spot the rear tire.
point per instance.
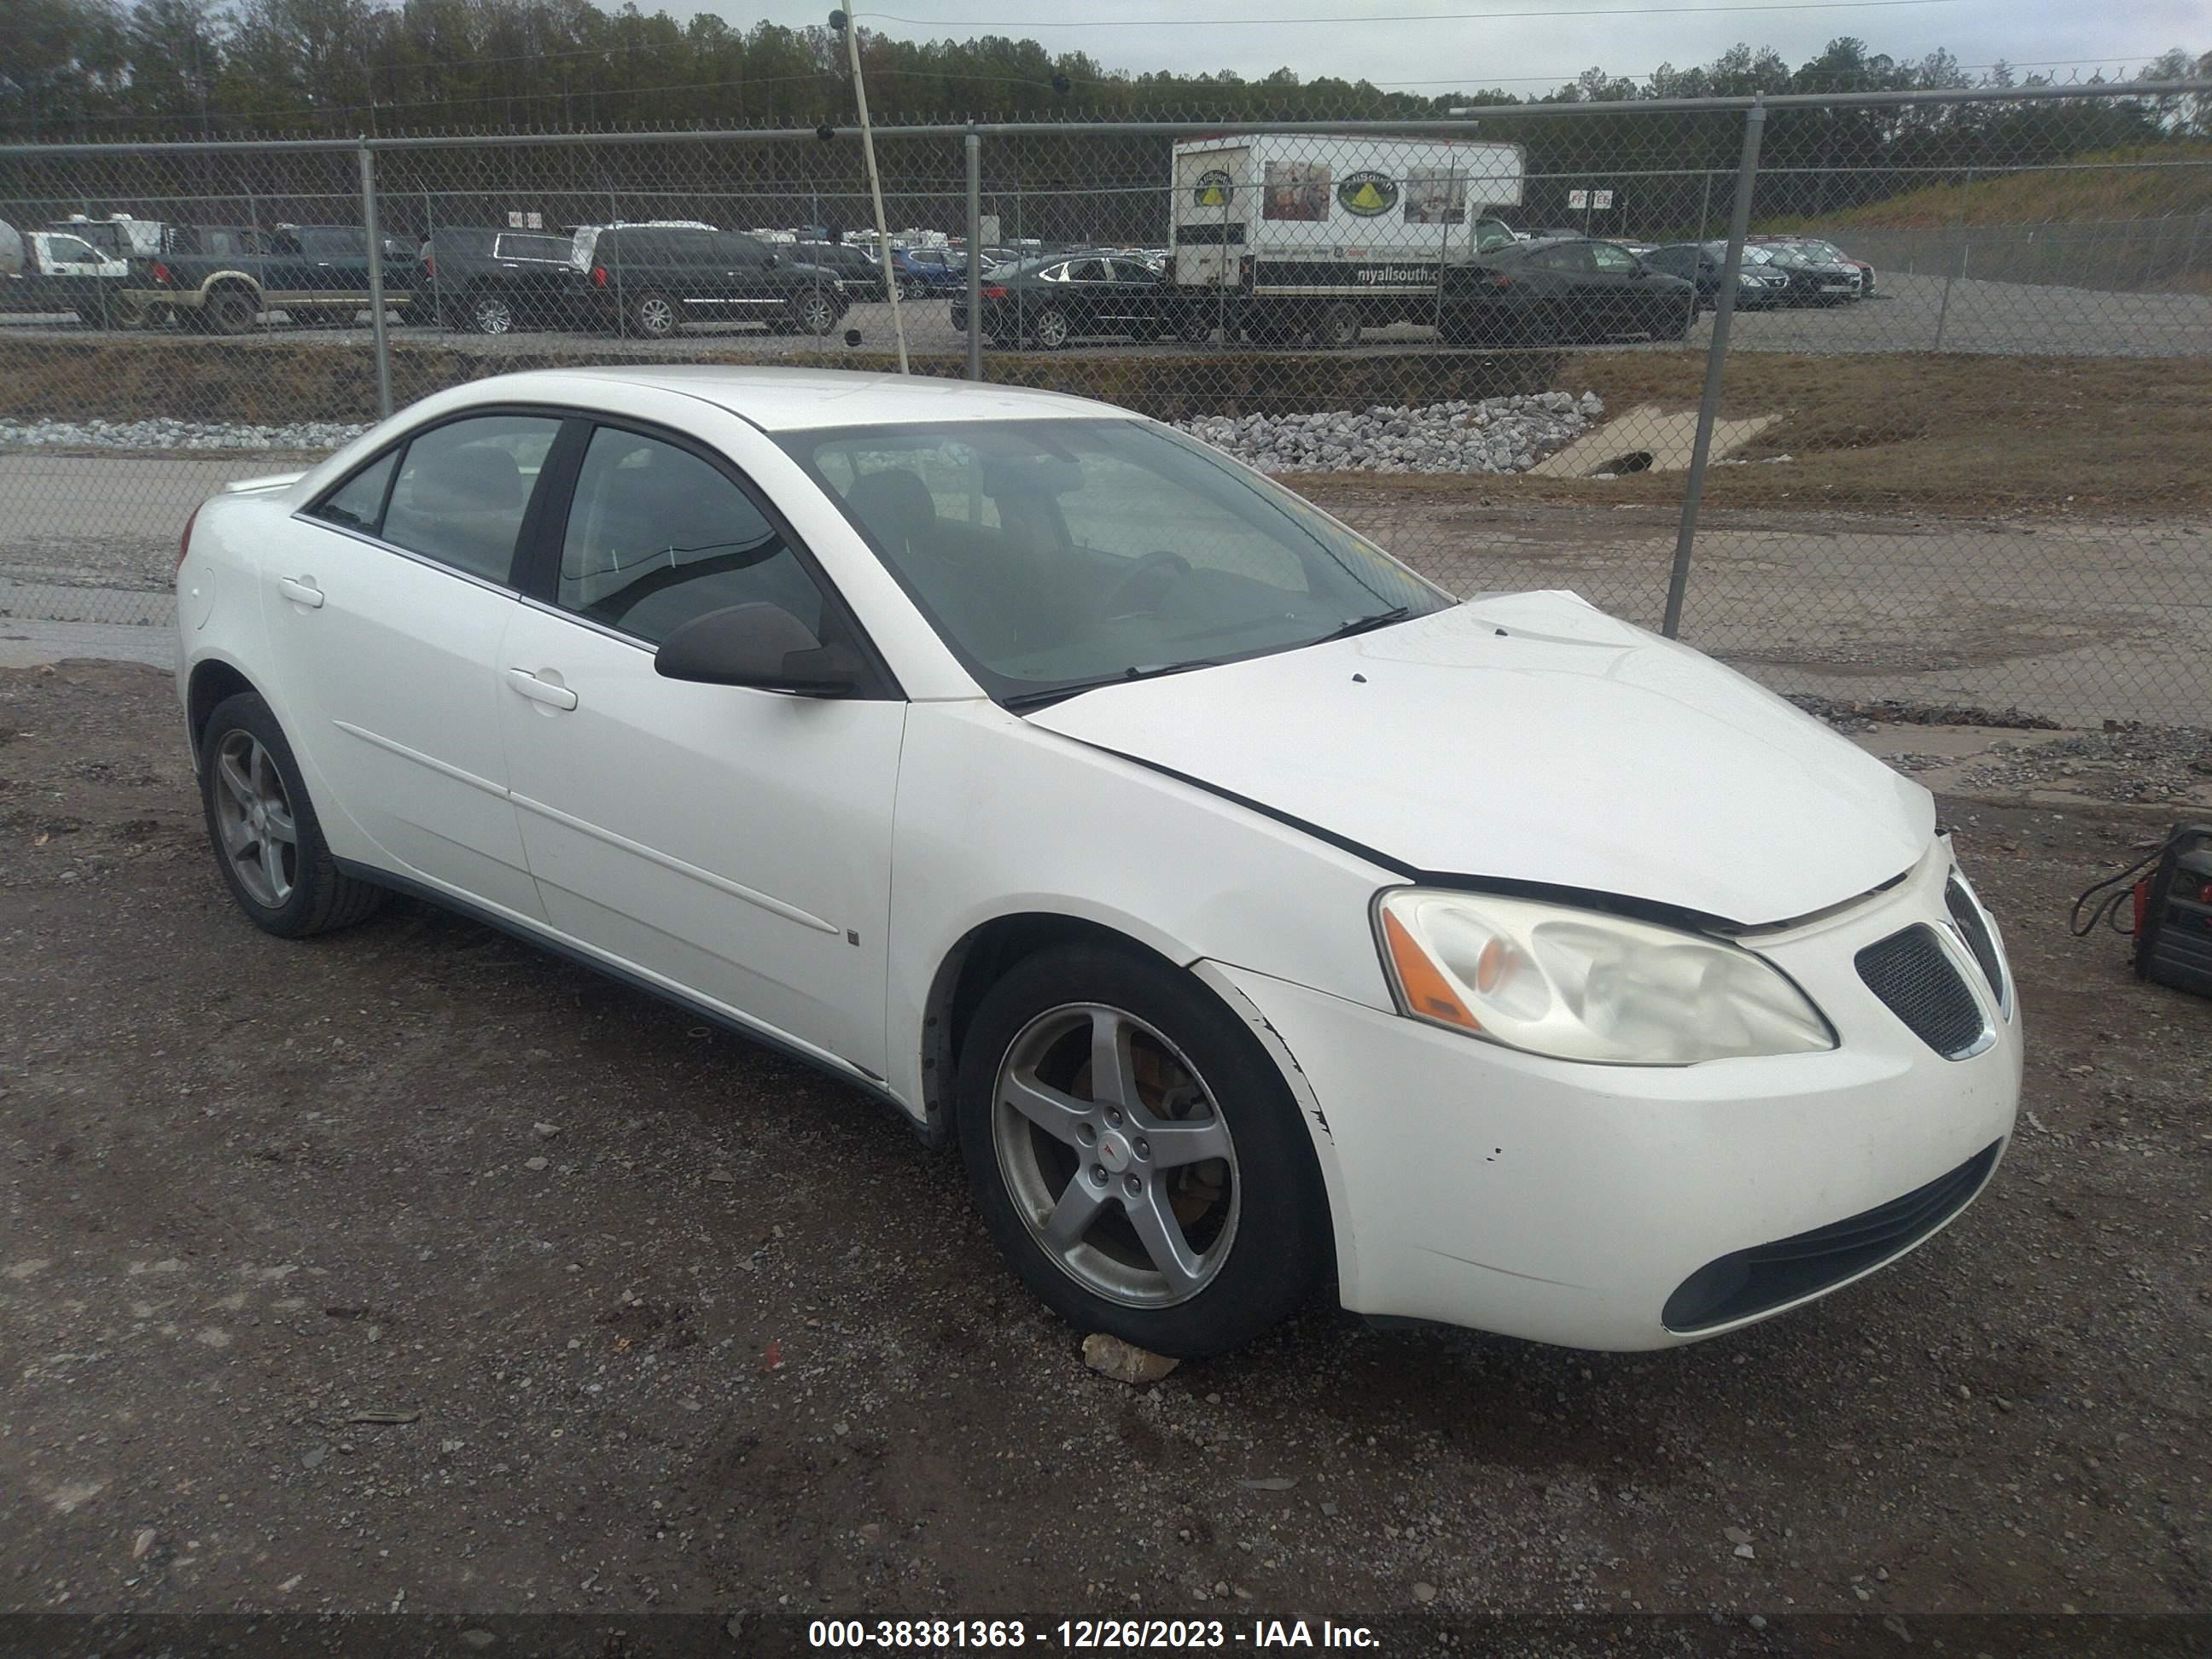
(1337, 328)
(813, 314)
(253, 794)
(651, 316)
(1050, 328)
(230, 310)
(490, 313)
(1242, 1220)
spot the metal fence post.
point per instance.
(1755, 124)
(376, 330)
(975, 148)
(1955, 268)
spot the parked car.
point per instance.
(923, 271)
(1823, 249)
(310, 273)
(1050, 302)
(490, 281)
(56, 272)
(1757, 286)
(1562, 289)
(652, 279)
(1086, 798)
(1816, 277)
(859, 271)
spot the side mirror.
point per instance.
(760, 645)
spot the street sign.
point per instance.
(1604, 199)
(1577, 199)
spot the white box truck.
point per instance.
(1288, 235)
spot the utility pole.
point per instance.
(840, 21)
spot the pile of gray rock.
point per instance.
(308, 436)
(1496, 435)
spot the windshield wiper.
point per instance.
(1366, 624)
(1038, 699)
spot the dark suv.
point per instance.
(491, 281)
(855, 267)
(650, 280)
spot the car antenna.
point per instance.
(845, 26)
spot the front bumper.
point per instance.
(1478, 1185)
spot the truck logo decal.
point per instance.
(1215, 189)
(1366, 195)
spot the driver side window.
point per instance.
(656, 536)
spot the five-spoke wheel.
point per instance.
(1115, 1155)
(1136, 1152)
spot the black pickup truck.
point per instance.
(222, 279)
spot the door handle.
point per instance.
(537, 691)
(300, 592)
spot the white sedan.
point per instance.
(1253, 914)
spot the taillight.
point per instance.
(161, 273)
(994, 292)
(599, 276)
(184, 547)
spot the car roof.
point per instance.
(797, 400)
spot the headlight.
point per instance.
(1583, 985)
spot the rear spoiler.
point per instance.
(270, 481)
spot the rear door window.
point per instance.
(358, 503)
(463, 488)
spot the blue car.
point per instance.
(925, 271)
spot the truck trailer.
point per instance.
(1288, 235)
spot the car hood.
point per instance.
(1531, 738)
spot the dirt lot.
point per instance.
(673, 1323)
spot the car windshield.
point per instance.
(1054, 556)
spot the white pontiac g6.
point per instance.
(1252, 914)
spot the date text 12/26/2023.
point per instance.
(1084, 1635)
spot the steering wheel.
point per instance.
(1145, 585)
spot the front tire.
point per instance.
(1137, 1155)
(268, 843)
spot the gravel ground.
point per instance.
(166, 436)
(2127, 761)
(413, 1268)
(1495, 434)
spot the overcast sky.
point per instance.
(1527, 54)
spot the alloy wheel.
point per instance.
(253, 814)
(1052, 328)
(492, 315)
(1115, 1155)
(656, 316)
(815, 315)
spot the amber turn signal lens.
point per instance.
(1427, 993)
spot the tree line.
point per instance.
(149, 69)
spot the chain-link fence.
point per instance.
(1893, 397)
